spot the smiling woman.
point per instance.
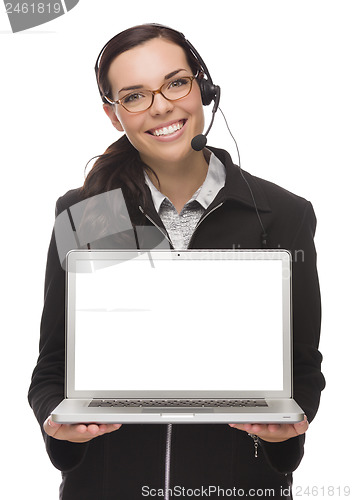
(153, 86)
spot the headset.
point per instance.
(209, 93)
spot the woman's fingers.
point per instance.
(274, 433)
(77, 433)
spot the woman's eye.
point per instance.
(132, 98)
(178, 83)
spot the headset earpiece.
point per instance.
(208, 91)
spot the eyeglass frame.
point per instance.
(154, 92)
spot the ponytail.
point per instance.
(119, 167)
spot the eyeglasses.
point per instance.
(143, 99)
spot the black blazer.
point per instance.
(119, 464)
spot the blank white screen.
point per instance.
(180, 325)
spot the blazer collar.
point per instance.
(236, 188)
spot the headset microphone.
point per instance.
(199, 141)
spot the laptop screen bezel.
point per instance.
(99, 256)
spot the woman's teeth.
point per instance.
(168, 130)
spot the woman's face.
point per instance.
(149, 66)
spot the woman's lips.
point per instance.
(168, 130)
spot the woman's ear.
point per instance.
(109, 110)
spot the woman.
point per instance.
(197, 199)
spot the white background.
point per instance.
(285, 72)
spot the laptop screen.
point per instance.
(188, 324)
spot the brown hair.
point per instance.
(120, 165)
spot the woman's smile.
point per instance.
(169, 131)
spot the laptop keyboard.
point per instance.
(177, 403)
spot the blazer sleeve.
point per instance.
(47, 384)
(308, 381)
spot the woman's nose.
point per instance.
(161, 105)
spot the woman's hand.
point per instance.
(274, 433)
(77, 433)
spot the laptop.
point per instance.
(166, 336)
